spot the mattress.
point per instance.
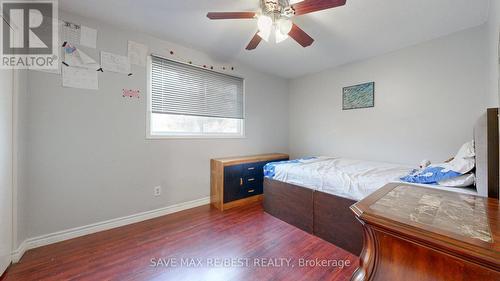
(348, 178)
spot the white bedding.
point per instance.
(353, 179)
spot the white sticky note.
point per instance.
(115, 63)
(137, 53)
(88, 37)
(81, 78)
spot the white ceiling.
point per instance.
(358, 30)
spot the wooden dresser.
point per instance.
(418, 233)
(237, 181)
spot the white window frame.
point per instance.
(151, 136)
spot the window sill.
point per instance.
(194, 137)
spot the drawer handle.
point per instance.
(251, 168)
(241, 181)
(251, 191)
(252, 179)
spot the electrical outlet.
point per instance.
(157, 191)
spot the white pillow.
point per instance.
(466, 151)
(463, 162)
(460, 181)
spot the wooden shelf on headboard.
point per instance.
(486, 143)
(493, 152)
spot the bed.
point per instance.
(315, 194)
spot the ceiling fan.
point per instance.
(276, 15)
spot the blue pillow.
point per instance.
(430, 175)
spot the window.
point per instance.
(188, 101)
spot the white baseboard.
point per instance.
(59, 236)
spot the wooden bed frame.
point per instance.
(329, 217)
(324, 215)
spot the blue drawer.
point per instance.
(242, 181)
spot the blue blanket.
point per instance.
(430, 175)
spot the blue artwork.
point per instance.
(358, 96)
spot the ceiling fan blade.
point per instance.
(231, 15)
(254, 42)
(300, 36)
(311, 6)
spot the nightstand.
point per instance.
(237, 181)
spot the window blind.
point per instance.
(177, 88)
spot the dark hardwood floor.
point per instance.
(246, 233)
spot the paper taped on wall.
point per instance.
(81, 78)
(77, 34)
(88, 37)
(80, 59)
(69, 32)
(115, 63)
(137, 53)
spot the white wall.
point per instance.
(85, 153)
(6, 90)
(20, 157)
(493, 25)
(426, 102)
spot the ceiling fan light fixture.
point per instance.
(265, 26)
(280, 37)
(265, 23)
(284, 25)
